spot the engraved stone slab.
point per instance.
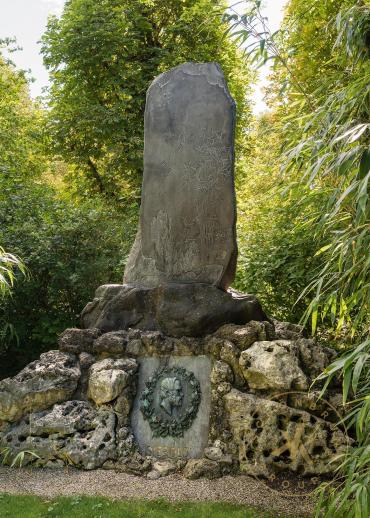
(170, 417)
(188, 212)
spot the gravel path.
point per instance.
(49, 483)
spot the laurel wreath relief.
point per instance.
(163, 426)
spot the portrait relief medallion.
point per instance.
(170, 401)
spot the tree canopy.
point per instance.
(102, 57)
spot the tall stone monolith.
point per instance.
(188, 213)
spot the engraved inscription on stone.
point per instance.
(188, 211)
(170, 401)
(170, 417)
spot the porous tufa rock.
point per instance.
(314, 357)
(164, 467)
(221, 372)
(76, 341)
(245, 335)
(111, 344)
(197, 468)
(51, 379)
(73, 432)
(288, 331)
(230, 354)
(272, 437)
(108, 378)
(273, 366)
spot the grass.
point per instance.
(19, 506)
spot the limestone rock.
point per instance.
(213, 453)
(129, 459)
(314, 358)
(197, 468)
(63, 419)
(221, 372)
(188, 209)
(51, 379)
(169, 308)
(244, 336)
(288, 331)
(73, 432)
(123, 404)
(113, 343)
(108, 378)
(272, 437)
(76, 341)
(85, 361)
(230, 354)
(164, 467)
(330, 407)
(273, 366)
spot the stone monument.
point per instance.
(188, 211)
(172, 370)
(184, 256)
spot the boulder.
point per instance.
(216, 454)
(169, 308)
(76, 341)
(271, 437)
(113, 343)
(197, 468)
(244, 336)
(51, 379)
(314, 357)
(73, 432)
(273, 366)
(108, 378)
(288, 331)
(164, 467)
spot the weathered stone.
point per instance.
(272, 437)
(77, 340)
(186, 346)
(73, 432)
(134, 347)
(64, 419)
(221, 372)
(129, 459)
(123, 404)
(273, 366)
(288, 331)
(108, 378)
(111, 343)
(244, 336)
(330, 407)
(188, 209)
(197, 468)
(164, 467)
(51, 379)
(230, 354)
(85, 361)
(169, 308)
(213, 453)
(314, 358)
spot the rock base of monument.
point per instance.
(235, 400)
(175, 309)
